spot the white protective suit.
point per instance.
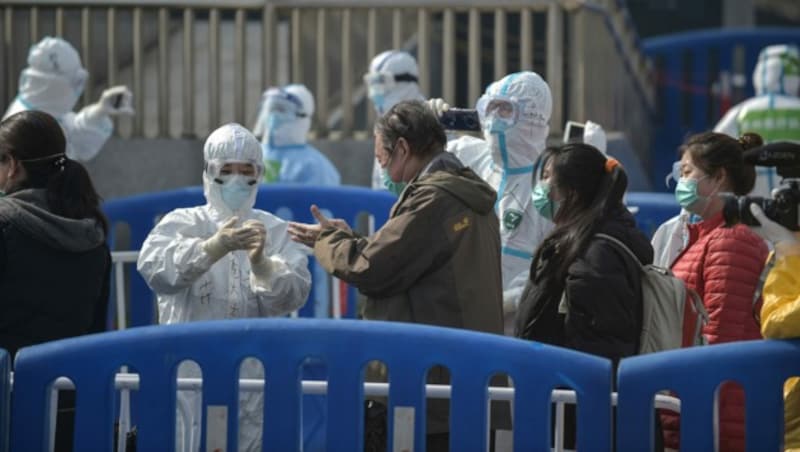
(392, 78)
(774, 113)
(283, 123)
(53, 82)
(505, 160)
(191, 286)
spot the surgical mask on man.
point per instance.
(542, 202)
(392, 186)
(236, 190)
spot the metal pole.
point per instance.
(138, 82)
(474, 59)
(500, 45)
(213, 79)
(347, 75)
(449, 56)
(188, 73)
(111, 45)
(240, 68)
(526, 40)
(423, 49)
(297, 45)
(322, 74)
(555, 63)
(86, 51)
(268, 25)
(397, 28)
(60, 21)
(163, 73)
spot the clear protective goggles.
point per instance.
(385, 80)
(284, 103)
(498, 108)
(221, 173)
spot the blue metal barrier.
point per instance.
(142, 212)
(760, 367)
(652, 209)
(283, 346)
(687, 66)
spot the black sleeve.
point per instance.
(2, 253)
(101, 305)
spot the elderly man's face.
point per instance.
(382, 155)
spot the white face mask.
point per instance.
(235, 190)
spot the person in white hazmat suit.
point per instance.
(514, 114)
(53, 82)
(774, 112)
(283, 123)
(222, 260)
(393, 77)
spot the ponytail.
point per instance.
(70, 193)
(36, 141)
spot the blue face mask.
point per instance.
(276, 120)
(542, 202)
(235, 192)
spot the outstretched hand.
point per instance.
(307, 233)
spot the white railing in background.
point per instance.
(165, 49)
(130, 382)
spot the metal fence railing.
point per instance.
(126, 382)
(194, 64)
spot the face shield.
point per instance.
(498, 113)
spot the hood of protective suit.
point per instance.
(521, 144)
(231, 143)
(778, 71)
(27, 210)
(54, 78)
(288, 128)
(396, 62)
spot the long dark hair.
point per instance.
(35, 140)
(713, 151)
(591, 190)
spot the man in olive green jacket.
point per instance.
(436, 261)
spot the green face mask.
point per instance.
(392, 186)
(542, 202)
(686, 193)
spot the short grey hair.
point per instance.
(414, 121)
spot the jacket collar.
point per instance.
(702, 228)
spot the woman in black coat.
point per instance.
(584, 292)
(54, 263)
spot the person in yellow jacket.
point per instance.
(780, 313)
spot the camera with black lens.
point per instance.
(782, 208)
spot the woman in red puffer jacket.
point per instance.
(722, 264)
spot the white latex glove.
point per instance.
(438, 106)
(115, 101)
(229, 238)
(783, 239)
(259, 264)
